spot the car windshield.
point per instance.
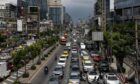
(88, 64)
(112, 78)
(61, 61)
(53, 79)
(92, 73)
(58, 69)
(74, 77)
(104, 64)
(75, 69)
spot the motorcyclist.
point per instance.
(46, 70)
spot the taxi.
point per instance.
(65, 54)
(87, 65)
(84, 58)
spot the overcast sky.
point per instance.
(76, 8)
(79, 8)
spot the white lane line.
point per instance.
(14, 77)
(10, 80)
(4, 83)
(20, 72)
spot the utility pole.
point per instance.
(103, 16)
(137, 55)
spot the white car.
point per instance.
(91, 76)
(88, 66)
(74, 51)
(63, 58)
(62, 63)
(74, 78)
(111, 79)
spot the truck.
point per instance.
(82, 46)
(68, 45)
(62, 40)
(4, 72)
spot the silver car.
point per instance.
(58, 71)
(54, 80)
(74, 78)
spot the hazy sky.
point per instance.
(79, 8)
(76, 8)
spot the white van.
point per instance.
(82, 46)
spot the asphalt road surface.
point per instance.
(41, 78)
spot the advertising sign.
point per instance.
(19, 26)
(97, 36)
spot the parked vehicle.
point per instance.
(4, 72)
(111, 79)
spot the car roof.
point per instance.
(58, 66)
(87, 61)
(74, 73)
(85, 57)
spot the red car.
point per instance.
(97, 58)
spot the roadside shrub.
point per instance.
(25, 75)
(33, 67)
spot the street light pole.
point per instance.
(136, 39)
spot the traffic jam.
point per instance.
(77, 65)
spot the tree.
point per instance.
(120, 40)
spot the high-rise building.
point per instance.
(127, 10)
(43, 7)
(56, 11)
(102, 7)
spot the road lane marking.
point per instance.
(10, 80)
(14, 77)
(40, 68)
(4, 83)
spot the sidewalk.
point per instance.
(13, 76)
(122, 76)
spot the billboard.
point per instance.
(19, 26)
(33, 9)
(97, 36)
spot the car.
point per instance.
(75, 68)
(74, 78)
(62, 63)
(84, 53)
(88, 66)
(91, 76)
(85, 58)
(74, 51)
(94, 53)
(62, 58)
(103, 66)
(74, 62)
(54, 80)
(111, 78)
(97, 58)
(65, 54)
(58, 71)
